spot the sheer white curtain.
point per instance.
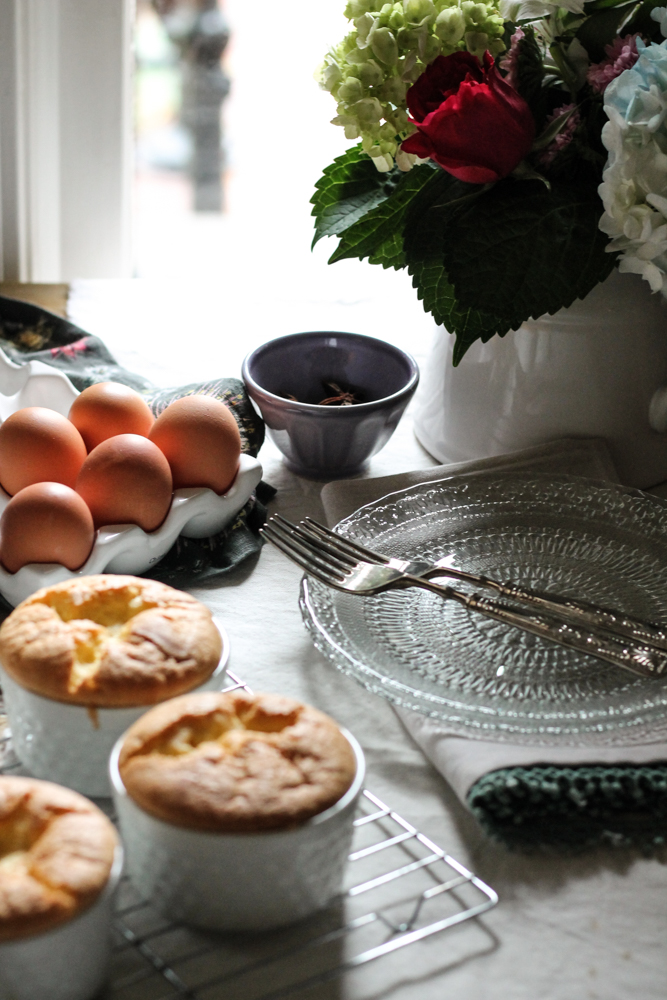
(65, 139)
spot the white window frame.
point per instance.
(66, 139)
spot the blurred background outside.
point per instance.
(232, 130)
(218, 280)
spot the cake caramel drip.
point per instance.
(110, 641)
(56, 853)
(236, 762)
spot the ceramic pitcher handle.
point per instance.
(657, 410)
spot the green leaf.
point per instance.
(438, 297)
(482, 258)
(426, 234)
(529, 68)
(520, 250)
(349, 188)
(390, 253)
(601, 27)
(552, 130)
(525, 172)
(366, 236)
(642, 22)
(595, 5)
(509, 28)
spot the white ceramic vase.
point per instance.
(596, 369)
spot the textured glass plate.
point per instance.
(597, 541)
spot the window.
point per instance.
(65, 138)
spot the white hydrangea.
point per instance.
(634, 182)
(659, 14)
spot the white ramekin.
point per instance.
(68, 963)
(70, 744)
(238, 881)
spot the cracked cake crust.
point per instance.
(56, 854)
(110, 641)
(236, 762)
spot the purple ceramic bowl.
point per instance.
(325, 442)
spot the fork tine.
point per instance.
(326, 543)
(352, 548)
(329, 563)
(302, 561)
(310, 539)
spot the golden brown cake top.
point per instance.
(56, 853)
(110, 641)
(236, 762)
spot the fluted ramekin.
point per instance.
(69, 962)
(70, 744)
(238, 881)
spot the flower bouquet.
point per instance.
(511, 153)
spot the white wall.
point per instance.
(65, 139)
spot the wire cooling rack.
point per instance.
(401, 889)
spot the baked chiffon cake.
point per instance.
(110, 641)
(236, 762)
(56, 854)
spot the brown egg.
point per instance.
(46, 523)
(38, 445)
(201, 441)
(109, 408)
(126, 480)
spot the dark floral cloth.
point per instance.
(29, 333)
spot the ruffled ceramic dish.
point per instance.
(123, 548)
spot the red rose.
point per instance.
(469, 119)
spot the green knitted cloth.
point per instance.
(570, 808)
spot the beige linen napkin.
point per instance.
(461, 760)
(588, 457)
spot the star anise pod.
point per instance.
(342, 398)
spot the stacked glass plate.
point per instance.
(599, 542)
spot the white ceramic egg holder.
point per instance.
(123, 548)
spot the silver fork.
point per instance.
(355, 576)
(566, 608)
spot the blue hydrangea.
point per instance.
(634, 182)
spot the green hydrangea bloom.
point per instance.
(390, 45)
